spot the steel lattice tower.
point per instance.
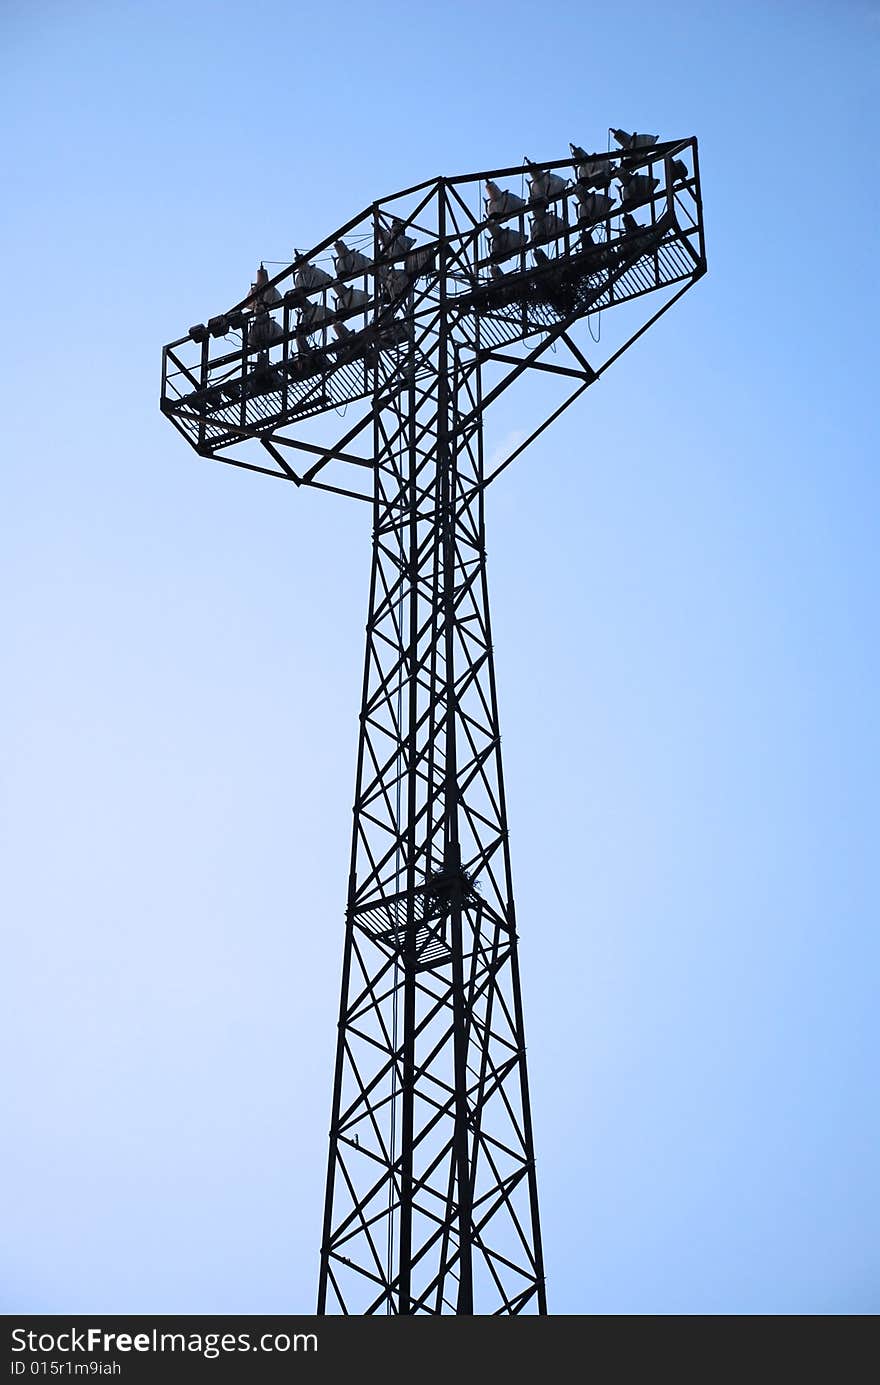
(439, 304)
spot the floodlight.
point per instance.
(505, 241)
(637, 187)
(264, 378)
(545, 187)
(314, 315)
(393, 240)
(264, 330)
(349, 345)
(309, 278)
(394, 282)
(263, 295)
(637, 237)
(349, 298)
(631, 142)
(502, 202)
(593, 206)
(349, 261)
(546, 225)
(595, 173)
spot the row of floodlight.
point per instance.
(592, 175)
(311, 279)
(547, 226)
(635, 239)
(593, 206)
(545, 188)
(268, 377)
(632, 151)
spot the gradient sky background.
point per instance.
(684, 574)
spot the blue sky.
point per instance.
(684, 577)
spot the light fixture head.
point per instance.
(264, 330)
(262, 295)
(637, 187)
(310, 278)
(393, 282)
(595, 173)
(264, 378)
(546, 187)
(634, 141)
(313, 315)
(546, 225)
(637, 238)
(349, 262)
(593, 206)
(500, 201)
(505, 241)
(393, 240)
(348, 298)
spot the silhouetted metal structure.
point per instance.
(417, 315)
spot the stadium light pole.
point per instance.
(418, 314)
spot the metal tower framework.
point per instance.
(441, 301)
